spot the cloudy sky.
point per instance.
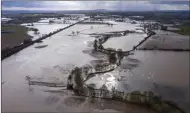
(91, 5)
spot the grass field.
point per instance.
(12, 35)
(184, 30)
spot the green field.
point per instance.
(12, 35)
(184, 30)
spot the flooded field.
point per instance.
(125, 43)
(167, 40)
(44, 65)
(43, 28)
(118, 26)
(165, 73)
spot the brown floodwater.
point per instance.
(166, 40)
(52, 64)
(165, 73)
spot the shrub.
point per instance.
(112, 58)
(27, 41)
(78, 77)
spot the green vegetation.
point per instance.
(112, 58)
(95, 45)
(13, 35)
(35, 30)
(184, 30)
(78, 77)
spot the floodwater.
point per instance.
(51, 64)
(118, 26)
(167, 40)
(166, 73)
(44, 28)
(125, 43)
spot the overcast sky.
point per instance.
(91, 5)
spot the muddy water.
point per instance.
(44, 28)
(51, 64)
(166, 40)
(125, 43)
(118, 26)
(164, 73)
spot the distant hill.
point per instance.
(79, 11)
(40, 11)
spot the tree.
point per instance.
(77, 32)
(73, 33)
(78, 77)
(51, 21)
(100, 47)
(104, 87)
(113, 90)
(163, 27)
(125, 32)
(35, 31)
(112, 58)
(27, 41)
(120, 55)
(95, 45)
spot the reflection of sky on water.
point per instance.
(99, 80)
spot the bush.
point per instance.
(78, 77)
(112, 58)
(149, 95)
(136, 96)
(27, 41)
(95, 45)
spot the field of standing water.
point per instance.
(144, 70)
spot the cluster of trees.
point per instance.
(51, 21)
(113, 55)
(73, 33)
(36, 31)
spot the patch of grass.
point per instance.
(13, 35)
(184, 30)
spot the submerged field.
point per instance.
(164, 73)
